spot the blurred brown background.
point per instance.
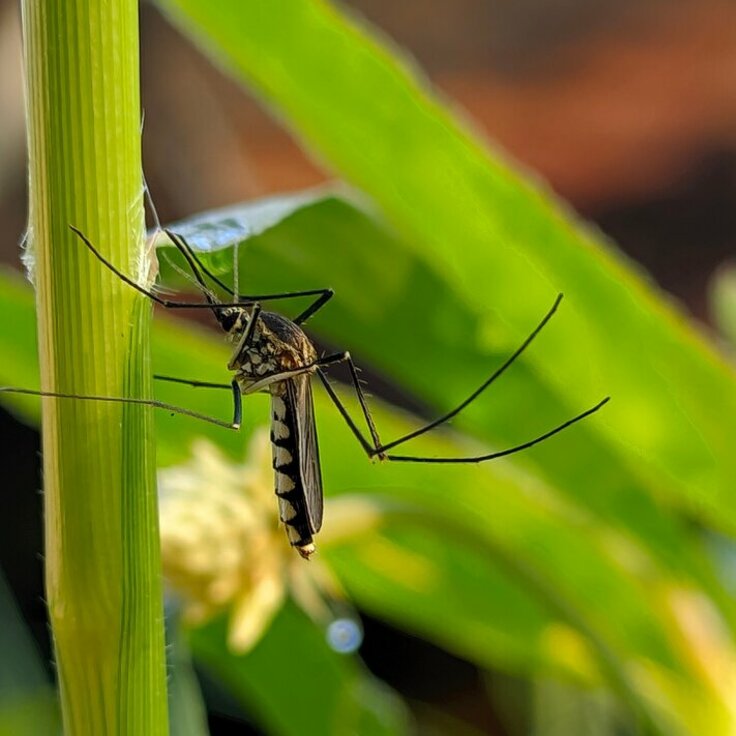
(626, 108)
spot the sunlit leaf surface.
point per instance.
(503, 249)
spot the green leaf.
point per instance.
(28, 703)
(295, 684)
(34, 715)
(503, 248)
(20, 355)
(228, 226)
(723, 301)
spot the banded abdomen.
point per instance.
(296, 461)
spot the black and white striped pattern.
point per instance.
(296, 462)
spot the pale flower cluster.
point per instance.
(223, 546)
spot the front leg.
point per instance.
(245, 340)
(375, 448)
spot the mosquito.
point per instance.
(272, 354)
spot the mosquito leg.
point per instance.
(192, 266)
(377, 448)
(496, 374)
(195, 263)
(327, 294)
(237, 404)
(502, 453)
(191, 382)
(269, 378)
(233, 386)
(244, 299)
(245, 339)
(167, 303)
(370, 449)
(182, 245)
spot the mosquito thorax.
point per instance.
(276, 346)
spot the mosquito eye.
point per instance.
(228, 320)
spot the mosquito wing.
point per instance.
(299, 396)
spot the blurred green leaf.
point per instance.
(187, 712)
(34, 714)
(723, 302)
(559, 711)
(295, 684)
(28, 703)
(21, 669)
(503, 248)
(19, 365)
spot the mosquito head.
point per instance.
(232, 320)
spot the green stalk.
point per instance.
(102, 554)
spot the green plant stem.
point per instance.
(102, 555)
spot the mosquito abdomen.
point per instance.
(289, 487)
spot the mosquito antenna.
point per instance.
(236, 269)
(324, 294)
(179, 242)
(183, 247)
(188, 277)
(205, 270)
(195, 282)
(169, 304)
